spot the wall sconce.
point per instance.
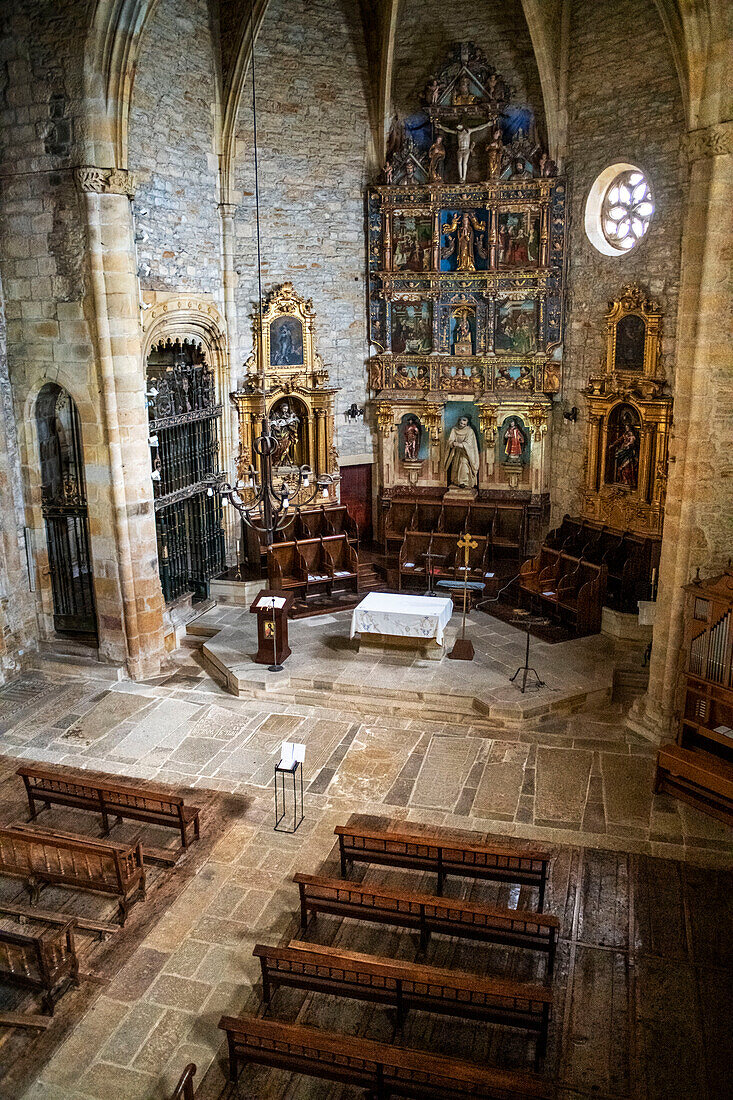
(572, 415)
(354, 412)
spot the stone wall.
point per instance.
(173, 154)
(624, 105)
(427, 28)
(312, 129)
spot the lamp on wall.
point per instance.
(354, 412)
(268, 507)
(570, 414)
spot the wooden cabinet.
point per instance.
(699, 768)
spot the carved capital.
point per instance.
(227, 209)
(432, 418)
(537, 416)
(712, 141)
(106, 181)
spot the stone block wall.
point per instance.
(624, 105)
(173, 153)
(312, 128)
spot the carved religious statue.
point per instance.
(285, 426)
(462, 95)
(463, 227)
(412, 440)
(494, 147)
(436, 157)
(465, 145)
(514, 441)
(461, 460)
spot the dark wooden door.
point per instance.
(356, 494)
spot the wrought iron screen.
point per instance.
(184, 432)
(64, 507)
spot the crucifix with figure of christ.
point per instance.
(463, 647)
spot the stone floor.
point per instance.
(324, 658)
(579, 779)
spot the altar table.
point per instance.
(402, 620)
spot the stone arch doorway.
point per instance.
(64, 509)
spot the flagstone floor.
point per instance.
(581, 779)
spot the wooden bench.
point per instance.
(405, 985)
(700, 778)
(569, 588)
(100, 866)
(381, 1069)
(426, 914)
(286, 570)
(318, 573)
(445, 856)
(399, 517)
(109, 799)
(343, 562)
(184, 1088)
(46, 963)
(412, 561)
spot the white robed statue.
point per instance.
(461, 459)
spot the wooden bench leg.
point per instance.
(541, 1047)
(303, 907)
(266, 990)
(342, 855)
(233, 1061)
(543, 884)
(553, 951)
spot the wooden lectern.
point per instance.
(272, 626)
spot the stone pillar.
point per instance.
(126, 582)
(227, 210)
(697, 521)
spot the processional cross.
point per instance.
(463, 648)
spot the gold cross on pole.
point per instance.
(467, 544)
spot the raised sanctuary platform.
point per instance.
(325, 662)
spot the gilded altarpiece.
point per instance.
(629, 420)
(298, 400)
(466, 267)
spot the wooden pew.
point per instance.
(319, 576)
(339, 521)
(509, 528)
(412, 562)
(429, 515)
(445, 856)
(703, 780)
(399, 517)
(481, 519)
(46, 963)
(184, 1088)
(361, 1063)
(453, 519)
(580, 595)
(100, 866)
(49, 785)
(343, 562)
(286, 569)
(444, 546)
(426, 914)
(405, 985)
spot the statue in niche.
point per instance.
(285, 426)
(462, 95)
(436, 156)
(463, 227)
(411, 448)
(433, 89)
(514, 441)
(465, 145)
(622, 462)
(461, 460)
(493, 153)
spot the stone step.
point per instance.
(51, 660)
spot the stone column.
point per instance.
(227, 210)
(697, 522)
(126, 582)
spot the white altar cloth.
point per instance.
(402, 615)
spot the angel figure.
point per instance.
(464, 227)
(465, 145)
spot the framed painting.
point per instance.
(623, 444)
(412, 328)
(516, 328)
(518, 239)
(412, 242)
(630, 342)
(286, 342)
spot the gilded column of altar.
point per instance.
(645, 458)
(593, 453)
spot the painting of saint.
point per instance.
(516, 328)
(286, 342)
(412, 328)
(622, 449)
(630, 339)
(518, 239)
(461, 460)
(412, 242)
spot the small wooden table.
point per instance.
(271, 608)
